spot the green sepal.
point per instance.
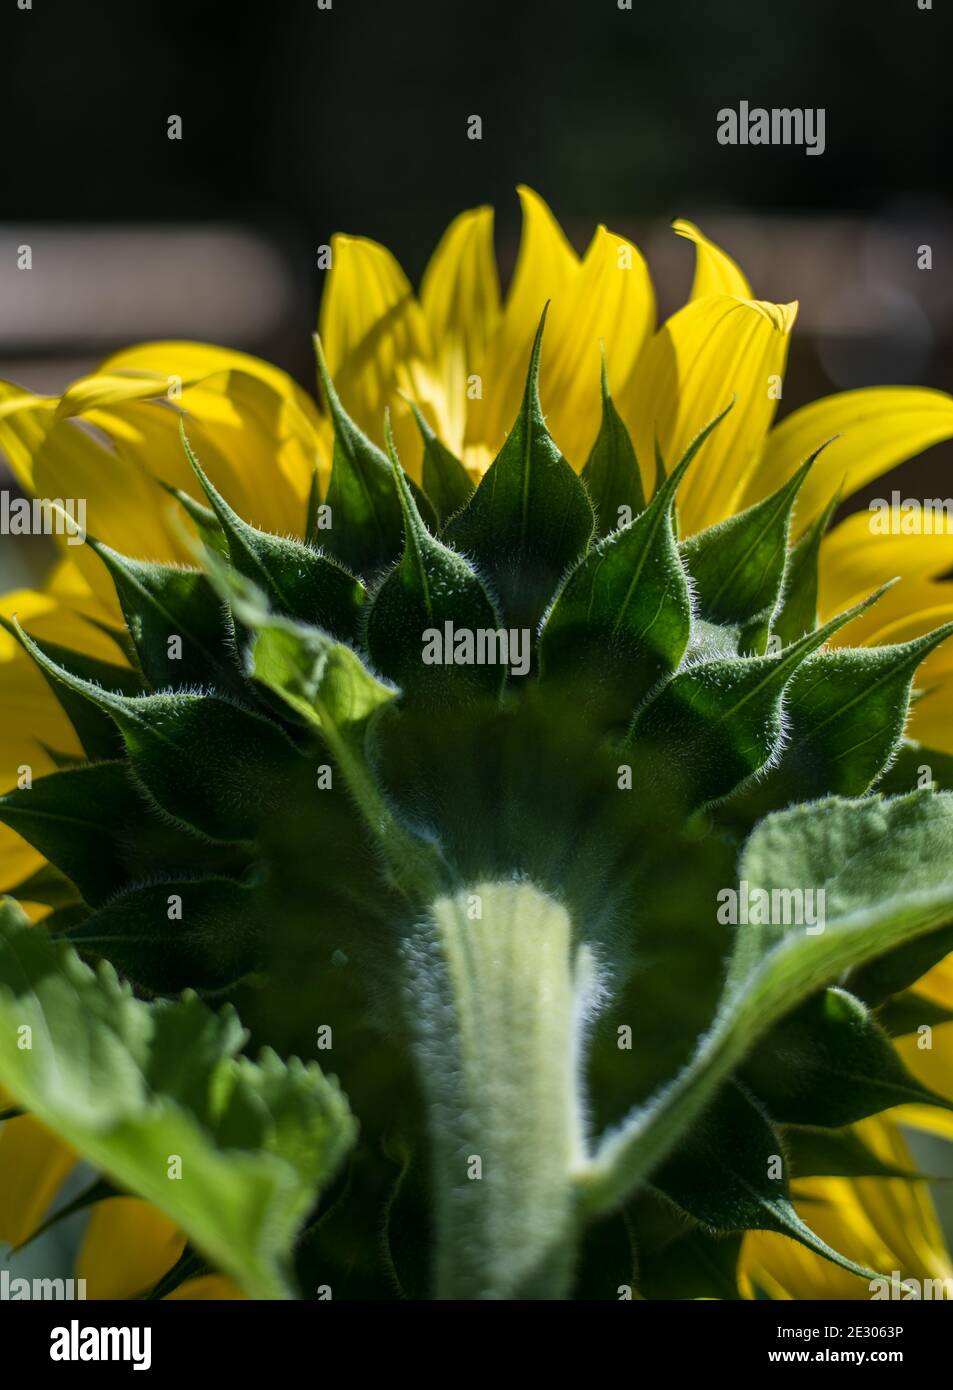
(905, 1013)
(312, 512)
(129, 1085)
(530, 518)
(900, 968)
(300, 582)
(715, 725)
(215, 940)
(189, 1265)
(914, 766)
(160, 602)
(844, 714)
(696, 1264)
(797, 611)
(813, 1152)
(95, 730)
(611, 473)
(46, 885)
(365, 531)
(623, 618)
(203, 519)
(429, 587)
(328, 686)
(829, 1063)
(213, 766)
(76, 818)
(729, 1173)
(737, 565)
(447, 483)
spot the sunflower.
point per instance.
(436, 381)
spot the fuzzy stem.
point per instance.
(498, 1003)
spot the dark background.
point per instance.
(300, 121)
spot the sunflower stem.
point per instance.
(498, 997)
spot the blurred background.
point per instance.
(299, 121)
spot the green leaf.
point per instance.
(212, 938)
(797, 611)
(729, 1174)
(213, 766)
(829, 1063)
(446, 482)
(886, 869)
(622, 619)
(365, 514)
(530, 518)
(716, 724)
(611, 473)
(430, 587)
(300, 582)
(75, 818)
(844, 714)
(738, 565)
(161, 602)
(129, 1085)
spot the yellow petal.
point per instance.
(32, 721)
(878, 427)
(123, 503)
(460, 298)
(715, 271)
(609, 300)
(65, 611)
(707, 352)
(933, 1066)
(33, 1167)
(376, 343)
(937, 984)
(24, 422)
(104, 389)
(194, 362)
(885, 1224)
(127, 1248)
(853, 561)
(260, 435)
(210, 1287)
(546, 266)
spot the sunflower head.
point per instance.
(525, 770)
